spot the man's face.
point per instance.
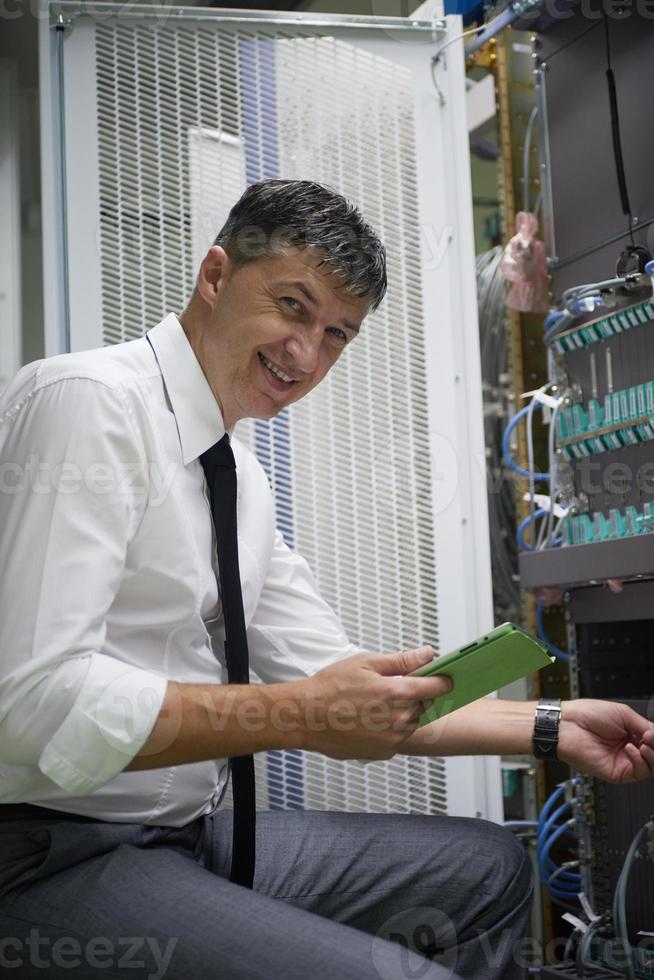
(277, 326)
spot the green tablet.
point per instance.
(502, 656)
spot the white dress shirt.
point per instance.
(109, 582)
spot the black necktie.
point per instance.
(220, 470)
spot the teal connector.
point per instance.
(605, 328)
(608, 410)
(631, 515)
(645, 521)
(595, 415)
(587, 528)
(618, 524)
(604, 527)
(620, 408)
(616, 408)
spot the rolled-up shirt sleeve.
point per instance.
(73, 486)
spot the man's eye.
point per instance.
(338, 333)
(294, 304)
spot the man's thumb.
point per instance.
(405, 661)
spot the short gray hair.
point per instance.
(273, 215)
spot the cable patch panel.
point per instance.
(625, 419)
(589, 528)
(591, 333)
(610, 953)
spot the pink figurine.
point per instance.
(523, 265)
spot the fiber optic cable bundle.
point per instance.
(606, 941)
(598, 311)
(494, 367)
(542, 526)
(555, 824)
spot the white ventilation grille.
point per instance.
(187, 117)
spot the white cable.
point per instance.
(436, 58)
(555, 533)
(530, 467)
(559, 871)
(530, 456)
(544, 526)
(619, 900)
(459, 37)
(525, 159)
(552, 472)
(575, 293)
(542, 533)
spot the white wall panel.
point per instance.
(10, 247)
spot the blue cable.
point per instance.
(564, 896)
(522, 526)
(587, 304)
(553, 323)
(549, 803)
(545, 827)
(545, 852)
(552, 319)
(567, 883)
(559, 654)
(563, 877)
(547, 866)
(566, 880)
(553, 798)
(506, 446)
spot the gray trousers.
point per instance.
(347, 896)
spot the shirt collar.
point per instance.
(197, 413)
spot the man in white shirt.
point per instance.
(116, 720)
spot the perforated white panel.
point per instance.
(186, 116)
(360, 508)
(362, 493)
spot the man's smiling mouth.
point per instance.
(274, 370)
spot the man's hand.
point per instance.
(606, 739)
(366, 706)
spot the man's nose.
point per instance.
(304, 348)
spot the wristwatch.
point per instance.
(546, 729)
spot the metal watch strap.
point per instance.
(546, 728)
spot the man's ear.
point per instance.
(214, 272)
